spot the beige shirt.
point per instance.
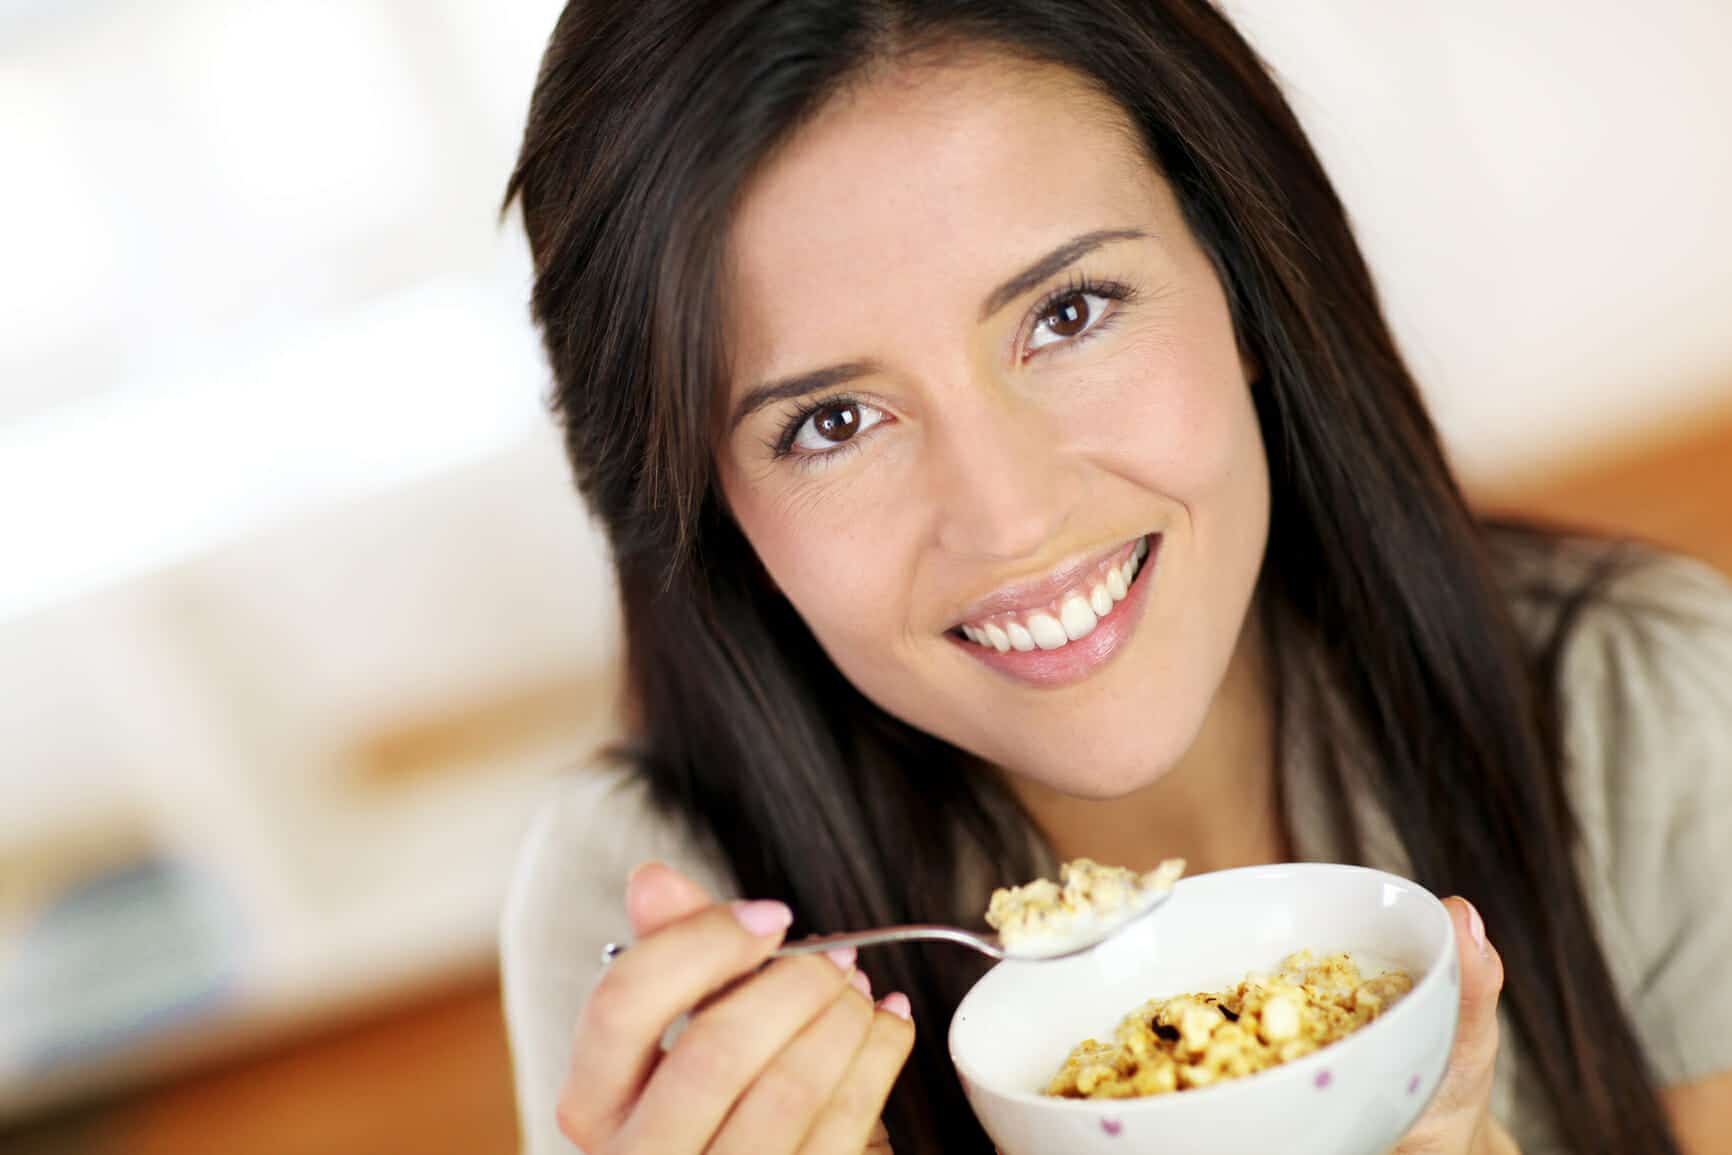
(1648, 688)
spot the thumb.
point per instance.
(657, 894)
(1476, 1037)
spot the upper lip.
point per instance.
(1038, 592)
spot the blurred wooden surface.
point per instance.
(434, 1079)
(1676, 493)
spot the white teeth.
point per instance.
(1046, 631)
(1078, 619)
(1100, 601)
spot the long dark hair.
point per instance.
(648, 118)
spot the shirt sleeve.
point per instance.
(1648, 716)
(565, 902)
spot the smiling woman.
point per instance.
(1011, 427)
(1006, 460)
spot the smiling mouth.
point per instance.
(1070, 617)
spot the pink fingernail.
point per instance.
(842, 956)
(1476, 930)
(764, 917)
(861, 983)
(897, 1004)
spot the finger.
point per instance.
(649, 986)
(657, 895)
(846, 1123)
(779, 1107)
(879, 1143)
(724, 1049)
(1467, 1082)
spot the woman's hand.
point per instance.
(1459, 1121)
(792, 1059)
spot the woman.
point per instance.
(884, 333)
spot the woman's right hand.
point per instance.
(794, 1058)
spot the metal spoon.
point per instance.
(1093, 933)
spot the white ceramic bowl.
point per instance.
(1357, 1097)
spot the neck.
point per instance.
(1217, 808)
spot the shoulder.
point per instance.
(1641, 639)
(594, 827)
(1643, 672)
(564, 903)
(1641, 645)
(1643, 659)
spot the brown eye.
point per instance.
(1070, 316)
(827, 427)
(836, 423)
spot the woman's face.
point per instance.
(979, 366)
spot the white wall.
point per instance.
(1542, 188)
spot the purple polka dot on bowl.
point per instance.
(1112, 1126)
(1413, 1085)
(1324, 1078)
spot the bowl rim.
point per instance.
(1433, 976)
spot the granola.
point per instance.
(1191, 1041)
(1045, 913)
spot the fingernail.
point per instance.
(764, 917)
(861, 983)
(897, 1004)
(1476, 929)
(842, 956)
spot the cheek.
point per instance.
(1173, 414)
(837, 560)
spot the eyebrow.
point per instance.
(1068, 253)
(800, 385)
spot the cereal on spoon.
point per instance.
(1044, 916)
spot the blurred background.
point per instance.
(299, 616)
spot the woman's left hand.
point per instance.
(1459, 1121)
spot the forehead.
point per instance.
(922, 182)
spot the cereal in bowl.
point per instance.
(1192, 1041)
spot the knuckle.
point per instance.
(813, 976)
(1475, 1056)
(578, 1124)
(707, 1055)
(787, 1093)
(609, 1012)
(1463, 1091)
(888, 1044)
(855, 1014)
(860, 1097)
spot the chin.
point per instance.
(1098, 775)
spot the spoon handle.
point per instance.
(924, 932)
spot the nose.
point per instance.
(1002, 485)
